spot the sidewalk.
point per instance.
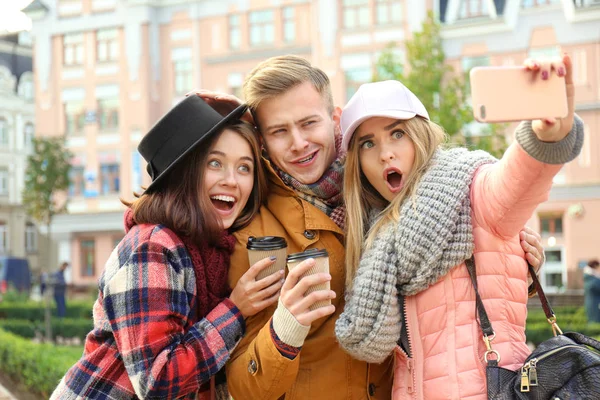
(5, 394)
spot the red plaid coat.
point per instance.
(147, 342)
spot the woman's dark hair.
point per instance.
(181, 202)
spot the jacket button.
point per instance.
(310, 235)
(252, 367)
(372, 389)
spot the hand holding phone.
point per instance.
(541, 92)
(504, 94)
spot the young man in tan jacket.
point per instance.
(290, 351)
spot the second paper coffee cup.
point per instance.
(267, 246)
(321, 258)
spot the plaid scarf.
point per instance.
(326, 193)
(211, 265)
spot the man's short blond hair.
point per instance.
(277, 75)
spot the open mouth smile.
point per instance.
(306, 160)
(223, 203)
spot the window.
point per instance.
(468, 63)
(356, 13)
(28, 133)
(473, 8)
(544, 52)
(551, 224)
(355, 78)
(30, 238)
(261, 28)
(3, 132)
(554, 280)
(3, 238)
(388, 11)
(289, 25)
(471, 62)
(25, 88)
(536, 3)
(103, 5)
(73, 49)
(109, 178)
(183, 76)
(553, 256)
(74, 118)
(69, 8)
(235, 81)
(107, 45)
(108, 114)
(234, 32)
(586, 3)
(88, 264)
(3, 182)
(76, 181)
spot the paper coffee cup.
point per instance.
(321, 258)
(267, 246)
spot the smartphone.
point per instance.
(504, 94)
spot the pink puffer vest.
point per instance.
(445, 340)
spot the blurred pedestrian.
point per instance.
(43, 282)
(591, 286)
(60, 287)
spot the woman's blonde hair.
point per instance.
(362, 200)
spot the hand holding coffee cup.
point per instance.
(251, 295)
(305, 293)
(262, 247)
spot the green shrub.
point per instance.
(21, 327)
(537, 333)
(564, 315)
(38, 366)
(66, 327)
(569, 319)
(34, 311)
(15, 296)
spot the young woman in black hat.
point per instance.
(165, 320)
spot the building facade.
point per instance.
(18, 233)
(106, 70)
(507, 33)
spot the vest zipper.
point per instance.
(410, 361)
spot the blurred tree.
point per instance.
(443, 92)
(46, 175)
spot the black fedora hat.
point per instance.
(178, 132)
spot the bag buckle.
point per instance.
(554, 325)
(488, 345)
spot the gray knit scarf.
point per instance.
(434, 235)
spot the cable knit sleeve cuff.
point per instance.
(287, 328)
(559, 152)
(289, 352)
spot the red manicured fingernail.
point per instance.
(561, 71)
(544, 75)
(549, 122)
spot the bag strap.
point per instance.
(484, 321)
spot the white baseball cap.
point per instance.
(379, 99)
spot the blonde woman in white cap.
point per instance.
(415, 213)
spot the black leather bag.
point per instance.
(566, 366)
